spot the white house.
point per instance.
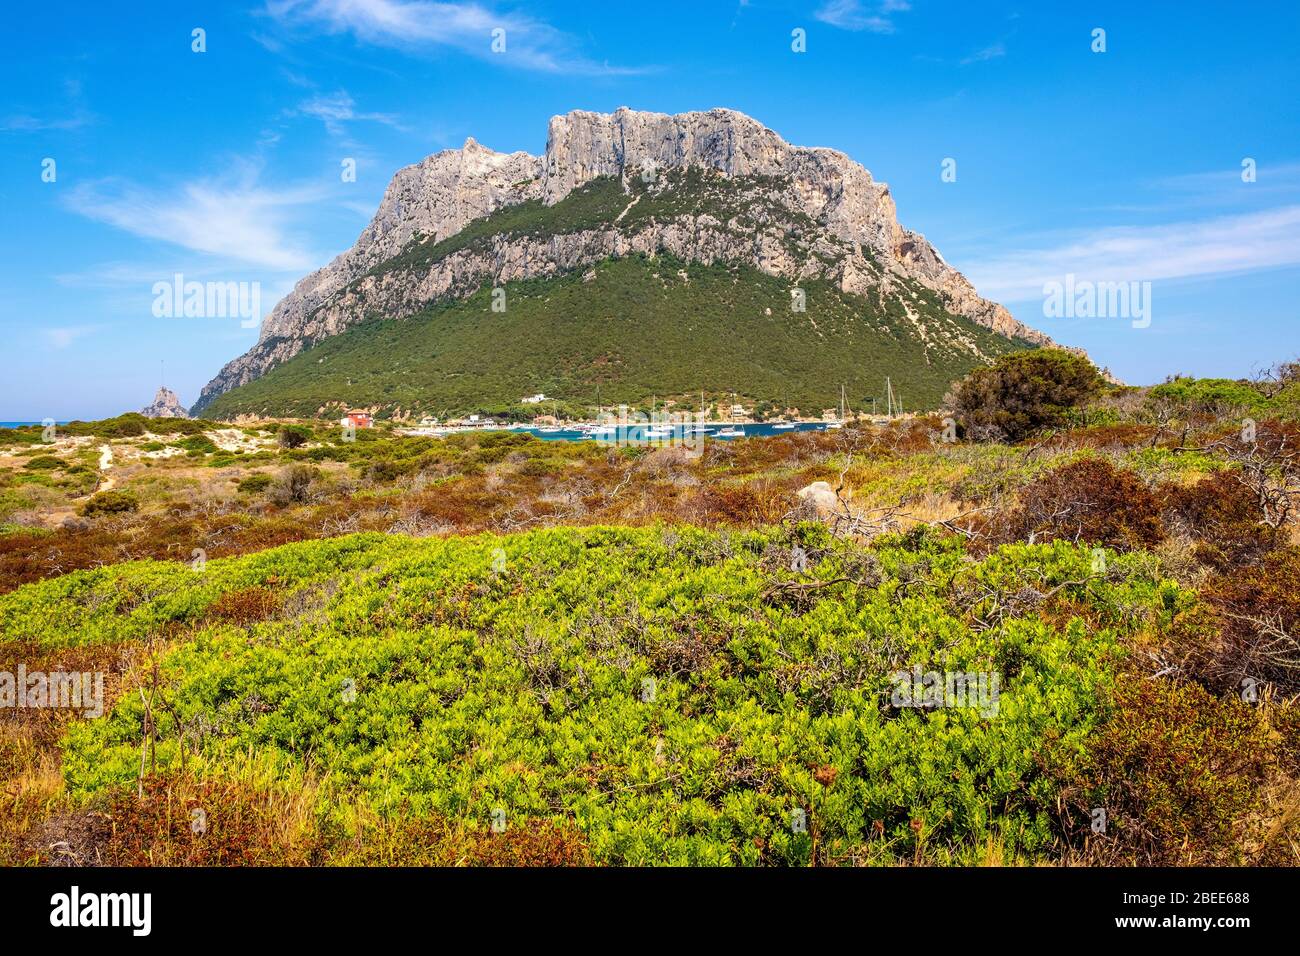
(533, 399)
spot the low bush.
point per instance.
(1090, 501)
(196, 445)
(512, 673)
(1174, 769)
(293, 485)
(245, 606)
(293, 436)
(113, 502)
(257, 481)
(1255, 627)
(1222, 517)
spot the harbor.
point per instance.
(631, 432)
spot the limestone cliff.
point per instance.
(819, 214)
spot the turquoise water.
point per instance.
(628, 433)
(638, 433)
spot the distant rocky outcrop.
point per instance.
(824, 216)
(165, 404)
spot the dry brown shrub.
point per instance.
(1248, 628)
(437, 841)
(245, 606)
(752, 503)
(183, 822)
(1177, 771)
(1086, 501)
(1223, 518)
(1117, 437)
(1285, 719)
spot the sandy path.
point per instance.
(105, 463)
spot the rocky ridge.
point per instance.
(819, 213)
(166, 404)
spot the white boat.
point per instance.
(834, 425)
(602, 431)
(783, 426)
(659, 433)
(549, 429)
(735, 432)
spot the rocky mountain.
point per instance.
(703, 187)
(166, 404)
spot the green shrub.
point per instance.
(1023, 393)
(257, 481)
(1215, 397)
(44, 463)
(112, 502)
(293, 436)
(197, 445)
(672, 694)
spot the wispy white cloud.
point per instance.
(1222, 245)
(991, 52)
(28, 123)
(421, 25)
(72, 114)
(857, 15)
(236, 217)
(60, 337)
(337, 109)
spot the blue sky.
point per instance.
(224, 165)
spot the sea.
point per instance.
(632, 434)
(639, 434)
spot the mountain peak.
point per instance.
(166, 404)
(820, 214)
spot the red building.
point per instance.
(358, 418)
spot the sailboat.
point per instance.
(732, 431)
(783, 425)
(839, 423)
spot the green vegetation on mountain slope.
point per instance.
(741, 205)
(625, 330)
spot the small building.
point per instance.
(358, 418)
(739, 413)
(533, 399)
